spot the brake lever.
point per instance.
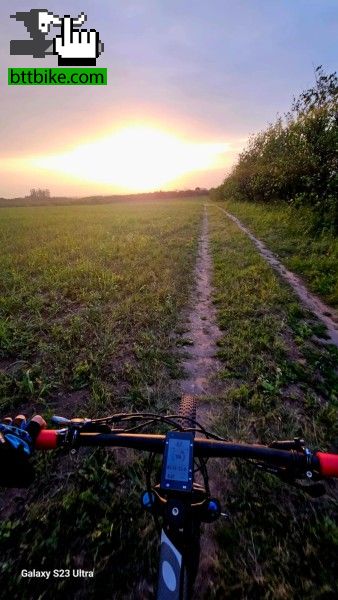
(297, 444)
(315, 490)
(91, 427)
(83, 425)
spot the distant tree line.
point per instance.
(42, 197)
(295, 159)
(39, 194)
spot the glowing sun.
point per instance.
(136, 158)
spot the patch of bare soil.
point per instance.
(6, 365)
(325, 313)
(68, 404)
(201, 368)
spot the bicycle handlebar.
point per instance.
(323, 463)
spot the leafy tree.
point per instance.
(296, 158)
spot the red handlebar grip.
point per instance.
(328, 464)
(46, 440)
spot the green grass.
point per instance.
(279, 544)
(90, 298)
(287, 231)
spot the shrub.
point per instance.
(296, 158)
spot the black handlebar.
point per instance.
(291, 460)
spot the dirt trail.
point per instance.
(200, 363)
(201, 367)
(326, 314)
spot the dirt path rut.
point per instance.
(201, 367)
(200, 363)
(323, 312)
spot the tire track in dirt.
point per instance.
(326, 314)
(201, 368)
(200, 363)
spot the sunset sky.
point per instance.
(188, 82)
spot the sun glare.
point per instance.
(136, 158)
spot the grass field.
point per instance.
(91, 298)
(287, 232)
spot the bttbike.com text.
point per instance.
(64, 76)
(55, 573)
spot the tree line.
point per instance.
(295, 159)
(42, 197)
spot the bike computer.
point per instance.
(178, 462)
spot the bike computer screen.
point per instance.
(177, 468)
